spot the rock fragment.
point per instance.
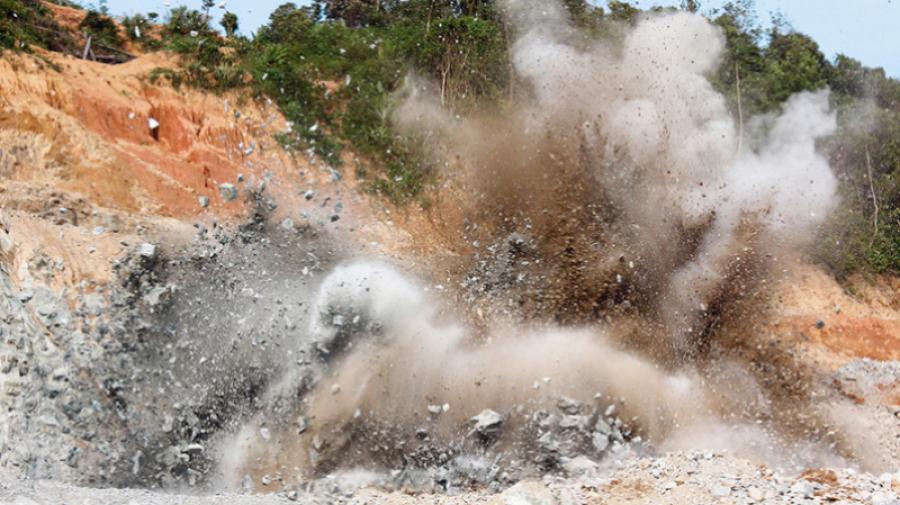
(147, 250)
(527, 493)
(720, 491)
(568, 405)
(227, 191)
(486, 424)
(302, 424)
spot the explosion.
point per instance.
(621, 223)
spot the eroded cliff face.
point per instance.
(121, 199)
(87, 129)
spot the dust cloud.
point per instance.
(625, 158)
(640, 132)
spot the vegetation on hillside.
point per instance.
(27, 23)
(332, 68)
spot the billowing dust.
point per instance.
(637, 218)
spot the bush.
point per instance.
(184, 22)
(24, 23)
(139, 29)
(101, 28)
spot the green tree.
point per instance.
(354, 13)
(690, 5)
(182, 21)
(623, 11)
(230, 23)
(101, 28)
(286, 23)
(793, 63)
(207, 6)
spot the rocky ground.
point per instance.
(678, 478)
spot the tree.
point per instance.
(690, 5)
(623, 11)
(794, 63)
(354, 13)
(207, 5)
(230, 23)
(101, 28)
(183, 21)
(287, 23)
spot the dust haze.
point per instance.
(640, 214)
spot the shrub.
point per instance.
(101, 28)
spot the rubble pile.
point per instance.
(127, 384)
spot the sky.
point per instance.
(868, 30)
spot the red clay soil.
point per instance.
(87, 132)
(852, 337)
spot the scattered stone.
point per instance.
(487, 424)
(570, 422)
(193, 448)
(136, 462)
(755, 494)
(203, 201)
(527, 493)
(802, 488)
(147, 250)
(168, 424)
(600, 441)
(720, 491)
(157, 295)
(568, 405)
(302, 424)
(228, 191)
(884, 498)
(820, 324)
(603, 427)
(579, 466)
